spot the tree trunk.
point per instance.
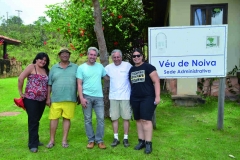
(97, 14)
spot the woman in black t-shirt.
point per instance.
(145, 95)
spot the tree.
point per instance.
(118, 24)
(102, 50)
(14, 20)
(41, 21)
(124, 24)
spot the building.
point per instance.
(201, 12)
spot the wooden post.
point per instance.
(4, 49)
(221, 98)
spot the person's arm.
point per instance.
(22, 77)
(80, 93)
(48, 101)
(106, 77)
(50, 82)
(154, 77)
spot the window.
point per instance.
(209, 14)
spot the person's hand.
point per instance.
(83, 102)
(22, 95)
(78, 100)
(157, 100)
(48, 102)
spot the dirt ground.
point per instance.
(9, 114)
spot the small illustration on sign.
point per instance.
(212, 41)
(161, 42)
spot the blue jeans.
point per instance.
(97, 104)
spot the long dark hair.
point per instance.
(41, 55)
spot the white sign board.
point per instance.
(188, 51)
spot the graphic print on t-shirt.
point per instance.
(138, 76)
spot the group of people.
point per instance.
(132, 88)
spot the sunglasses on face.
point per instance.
(137, 55)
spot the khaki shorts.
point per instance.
(120, 108)
(64, 109)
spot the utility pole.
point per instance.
(18, 12)
(7, 19)
(18, 15)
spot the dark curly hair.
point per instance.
(41, 55)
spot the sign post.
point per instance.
(191, 52)
(221, 98)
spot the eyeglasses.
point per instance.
(138, 55)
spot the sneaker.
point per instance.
(90, 145)
(115, 142)
(125, 143)
(101, 145)
(140, 145)
(148, 148)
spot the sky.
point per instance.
(31, 9)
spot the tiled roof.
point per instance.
(9, 40)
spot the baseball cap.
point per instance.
(64, 50)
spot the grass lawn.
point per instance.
(188, 133)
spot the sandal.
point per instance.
(65, 145)
(50, 145)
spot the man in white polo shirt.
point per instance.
(119, 95)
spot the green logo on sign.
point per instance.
(212, 41)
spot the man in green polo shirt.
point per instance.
(62, 88)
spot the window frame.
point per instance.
(208, 8)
